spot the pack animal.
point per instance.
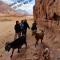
(46, 54)
(39, 36)
(15, 44)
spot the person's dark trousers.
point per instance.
(24, 32)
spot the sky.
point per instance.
(7, 1)
(26, 5)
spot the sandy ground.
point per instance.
(51, 40)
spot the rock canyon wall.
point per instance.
(43, 7)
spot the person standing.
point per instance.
(22, 27)
(26, 25)
(34, 27)
(17, 30)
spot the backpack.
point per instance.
(21, 26)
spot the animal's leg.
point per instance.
(36, 42)
(41, 40)
(12, 53)
(58, 22)
(44, 58)
(32, 33)
(25, 41)
(18, 50)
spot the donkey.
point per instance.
(38, 36)
(15, 44)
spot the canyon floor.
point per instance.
(51, 40)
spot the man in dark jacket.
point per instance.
(26, 25)
(34, 27)
(17, 30)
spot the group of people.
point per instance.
(21, 28)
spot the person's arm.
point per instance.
(28, 25)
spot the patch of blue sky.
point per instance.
(27, 7)
(18, 1)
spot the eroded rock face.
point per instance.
(42, 7)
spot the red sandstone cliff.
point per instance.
(46, 6)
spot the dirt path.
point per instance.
(51, 40)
